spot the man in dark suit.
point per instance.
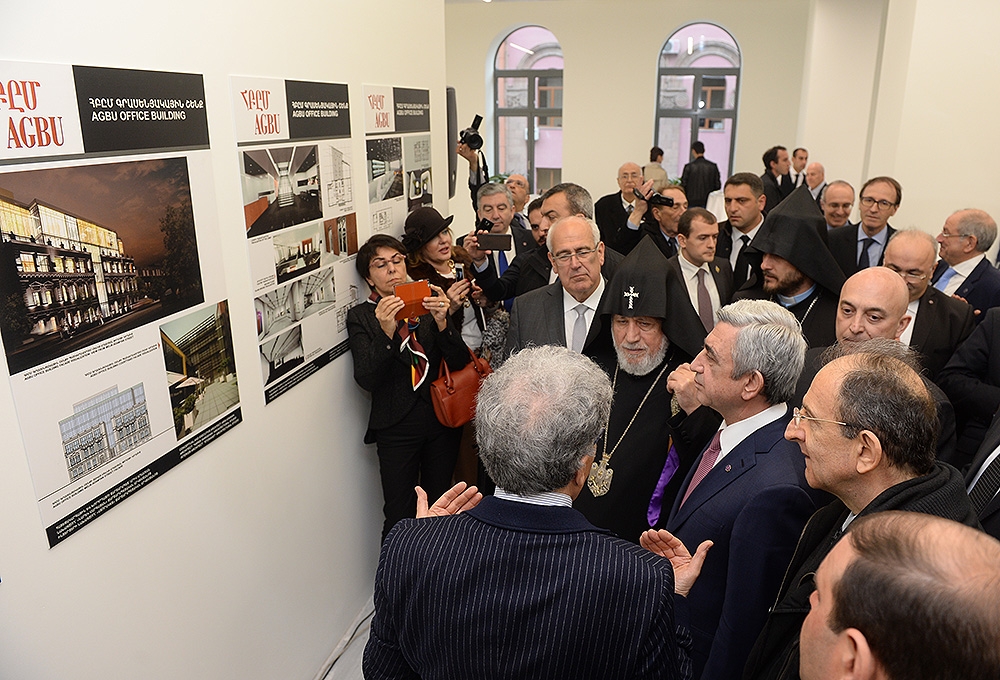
(612, 211)
(700, 177)
(971, 379)
(744, 197)
(566, 312)
(964, 270)
(866, 429)
(523, 585)
(533, 269)
(777, 183)
(656, 217)
(984, 474)
(864, 246)
(698, 282)
(836, 200)
(938, 323)
(746, 491)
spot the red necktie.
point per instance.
(704, 467)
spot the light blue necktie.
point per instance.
(942, 283)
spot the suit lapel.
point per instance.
(990, 442)
(927, 316)
(554, 313)
(972, 278)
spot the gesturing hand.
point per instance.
(686, 566)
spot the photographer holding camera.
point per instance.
(657, 216)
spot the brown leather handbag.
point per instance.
(454, 393)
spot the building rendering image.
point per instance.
(103, 427)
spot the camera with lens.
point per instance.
(470, 136)
(660, 200)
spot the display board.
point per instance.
(113, 308)
(294, 141)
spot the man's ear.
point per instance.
(753, 384)
(870, 456)
(854, 658)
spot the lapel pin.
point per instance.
(729, 468)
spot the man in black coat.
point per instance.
(612, 211)
(866, 429)
(777, 184)
(983, 481)
(700, 177)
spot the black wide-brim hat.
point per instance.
(422, 225)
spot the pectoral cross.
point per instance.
(599, 480)
(631, 295)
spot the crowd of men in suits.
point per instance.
(796, 419)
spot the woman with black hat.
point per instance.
(397, 361)
(431, 255)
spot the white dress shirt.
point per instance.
(690, 274)
(569, 310)
(733, 434)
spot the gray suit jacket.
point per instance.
(537, 318)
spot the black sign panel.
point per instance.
(317, 110)
(130, 110)
(413, 109)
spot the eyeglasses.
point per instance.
(947, 235)
(564, 258)
(909, 276)
(798, 415)
(382, 263)
(868, 202)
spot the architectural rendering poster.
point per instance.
(116, 335)
(294, 141)
(398, 161)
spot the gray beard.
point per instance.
(647, 364)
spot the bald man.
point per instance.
(612, 211)
(816, 180)
(872, 617)
(938, 322)
(873, 304)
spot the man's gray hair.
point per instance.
(979, 224)
(579, 199)
(491, 188)
(538, 415)
(918, 234)
(594, 229)
(769, 340)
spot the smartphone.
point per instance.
(494, 241)
(412, 294)
(459, 271)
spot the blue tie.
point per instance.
(942, 283)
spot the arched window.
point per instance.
(527, 106)
(696, 94)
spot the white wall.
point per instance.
(250, 559)
(611, 51)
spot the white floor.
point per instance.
(345, 662)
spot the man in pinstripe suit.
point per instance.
(522, 586)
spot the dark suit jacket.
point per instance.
(753, 505)
(942, 323)
(971, 379)
(610, 215)
(684, 325)
(537, 319)
(843, 244)
(514, 590)
(700, 178)
(990, 515)
(724, 249)
(775, 191)
(530, 271)
(629, 238)
(981, 288)
(383, 370)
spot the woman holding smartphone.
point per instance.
(396, 360)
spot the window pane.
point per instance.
(513, 145)
(548, 156)
(512, 93)
(675, 140)
(676, 92)
(530, 47)
(701, 45)
(718, 143)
